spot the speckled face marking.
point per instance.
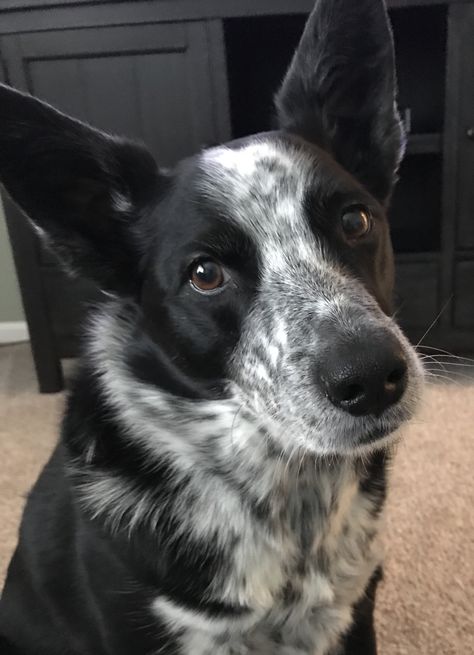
(305, 292)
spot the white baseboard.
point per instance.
(13, 332)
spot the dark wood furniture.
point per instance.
(181, 74)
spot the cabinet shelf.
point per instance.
(416, 207)
(402, 258)
(425, 144)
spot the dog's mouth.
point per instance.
(362, 439)
(357, 435)
(345, 436)
(371, 437)
(336, 432)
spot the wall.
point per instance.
(11, 309)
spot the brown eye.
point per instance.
(206, 275)
(356, 222)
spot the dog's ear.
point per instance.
(340, 91)
(86, 192)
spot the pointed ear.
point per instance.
(86, 192)
(340, 91)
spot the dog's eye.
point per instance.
(356, 222)
(206, 275)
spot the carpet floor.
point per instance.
(425, 603)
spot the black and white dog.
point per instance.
(219, 484)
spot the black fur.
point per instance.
(340, 91)
(81, 581)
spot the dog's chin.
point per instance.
(368, 442)
(356, 442)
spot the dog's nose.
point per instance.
(363, 377)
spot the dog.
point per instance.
(219, 484)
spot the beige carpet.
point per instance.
(426, 603)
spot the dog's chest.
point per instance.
(299, 578)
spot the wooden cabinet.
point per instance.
(462, 25)
(180, 74)
(462, 158)
(464, 297)
(150, 82)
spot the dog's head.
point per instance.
(262, 269)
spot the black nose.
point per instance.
(365, 376)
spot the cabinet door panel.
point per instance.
(154, 83)
(462, 26)
(416, 293)
(149, 82)
(464, 297)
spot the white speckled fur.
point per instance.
(273, 404)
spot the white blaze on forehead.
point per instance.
(263, 183)
(244, 160)
(261, 187)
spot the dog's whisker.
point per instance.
(446, 354)
(445, 364)
(452, 375)
(436, 319)
(448, 379)
(460, 371)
